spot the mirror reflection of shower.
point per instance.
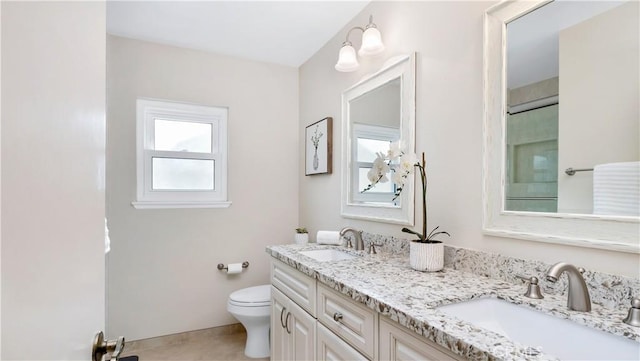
(532, 157)
(573, 104)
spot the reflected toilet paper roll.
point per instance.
(234, 268)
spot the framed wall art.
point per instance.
(318, 152)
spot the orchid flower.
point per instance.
(407, 162)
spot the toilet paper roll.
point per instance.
(328, 237)
(234, 268)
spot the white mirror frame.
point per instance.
(584, 230)
(402, 67)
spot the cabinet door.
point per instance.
(302, 337)
(398, 344)
(279, 336)
(333, 348)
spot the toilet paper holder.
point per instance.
(221, 266)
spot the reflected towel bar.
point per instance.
(571, 171)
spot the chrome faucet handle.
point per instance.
(533, 289)
(372, 248)
(633, 318)
(348, 244)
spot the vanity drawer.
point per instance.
(398, 343)
(351, 321)
(296, 285)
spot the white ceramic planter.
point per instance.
(427, 257)
(302, 238)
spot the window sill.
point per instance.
(177, 205)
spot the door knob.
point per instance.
(102, 347)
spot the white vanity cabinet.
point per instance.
(399, 344)
(310, 321)
(293, 330)
(293, 307)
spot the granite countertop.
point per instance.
(387, 284)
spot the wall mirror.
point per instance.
(562, 122)
(378, 110)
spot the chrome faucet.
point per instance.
(359, 246)
(578, 298)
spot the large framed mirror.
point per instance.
(376, 111)
(562, 122)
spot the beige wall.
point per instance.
(448, 39)
(53, 140)
(162, 275)
(599, 100)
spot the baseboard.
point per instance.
(181, 338)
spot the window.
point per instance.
(369, 140)
(181, 155)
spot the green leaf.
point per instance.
(432, 235)
(407, 230)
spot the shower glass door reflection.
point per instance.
(532, 160)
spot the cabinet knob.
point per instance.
(337, 317)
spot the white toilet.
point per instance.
(252, 307)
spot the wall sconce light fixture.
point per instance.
(371, 45)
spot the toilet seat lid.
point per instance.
(252, 295)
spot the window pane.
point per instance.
(363, 182)
(367, 149)
(182, 136)
(183, 174)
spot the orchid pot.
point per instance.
(426, 257)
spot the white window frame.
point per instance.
(375, 132)
(147, 111)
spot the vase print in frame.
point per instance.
(318, 152)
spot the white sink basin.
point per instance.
(324, 255)
(555, 336)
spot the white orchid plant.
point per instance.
(403, 166)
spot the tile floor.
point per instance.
(222, 343)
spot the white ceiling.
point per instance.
(281, 32)
(532, 40)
